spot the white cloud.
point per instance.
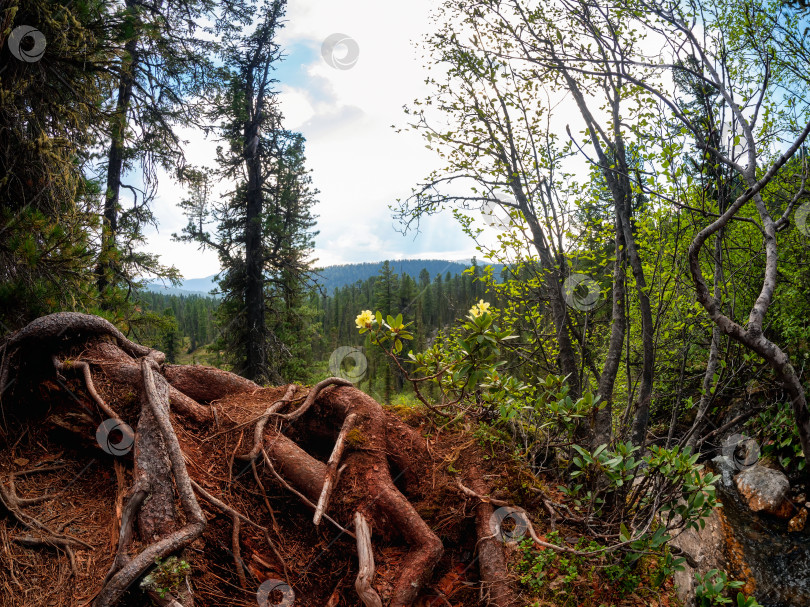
(360, 165)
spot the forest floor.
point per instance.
(62, 483)
(86, 484)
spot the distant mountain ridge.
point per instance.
(335, 277)
(190, 286)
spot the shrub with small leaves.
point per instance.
(712, 588)
(167, 576)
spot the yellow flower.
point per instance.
(364, 319)
(479, 309)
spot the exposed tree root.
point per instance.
(200, 431)
(292, 458)
(91, 388)
(313, 395)
(495, 588)
(330, 479)
(120, 368)
(156, 398)
(206, 384)
(258, 433)
(365, 556)
(48, 329)
(369, 464)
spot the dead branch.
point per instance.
(491, 562)
(133, 502)
(365, 556)
(330, 480)
(237, 553)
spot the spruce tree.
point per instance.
(51, 104)
(162, 63)
(172, 341)
(263, 225)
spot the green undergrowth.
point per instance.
(608, 579)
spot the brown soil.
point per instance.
(428, 546)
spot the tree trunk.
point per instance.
(616, 173)
(642, 416)
(106, 267)
(615, 170)
(603, 420)
(553, 287)
(255, 364)
(707, 396)
(752, 337)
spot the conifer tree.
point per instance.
(171, 342)
(263, 225)
(162, 63)
(51, 102)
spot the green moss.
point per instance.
(355, 438)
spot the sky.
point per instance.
(358, 162)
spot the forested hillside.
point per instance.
(432, 303)
(329, 278)
(608, 407)
(177, 323)
(187, 286)
(332, 277)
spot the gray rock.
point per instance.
(726, 469)
(763, 489)
(705, 547)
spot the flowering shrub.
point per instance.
(479, 309)
(637, 501)
(464, 365)
(665, 489)
(391, 329)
